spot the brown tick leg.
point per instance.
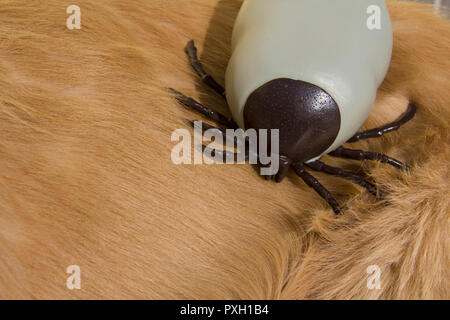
(319, 188)
(394, 126)
(224, 155)
(285, 165)
(366, 155)
(191, 51)
(322, 167)
(207, 112)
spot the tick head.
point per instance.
(307, 117)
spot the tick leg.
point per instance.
(191, 51)
(224, 155)
(319, 188)
(238, 141)
(394, 126)
(207, 112)
(322, 167)
(285, 165)
(366, 155)
(221, 130)
(206, 127)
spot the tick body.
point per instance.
(310, 68)
(324, 45)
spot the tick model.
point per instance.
(310, 68)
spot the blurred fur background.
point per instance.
(86, 176)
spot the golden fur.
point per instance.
(86, 176)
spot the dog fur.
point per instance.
(86, 177)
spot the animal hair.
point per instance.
(86, 176)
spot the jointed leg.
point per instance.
(285, 165)
(206, 127)
(191, 51)
(322, 167)
(366, 155)
(209, 113)
(315, 184)
(221, 130)
(378, 132)
(224, 155)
